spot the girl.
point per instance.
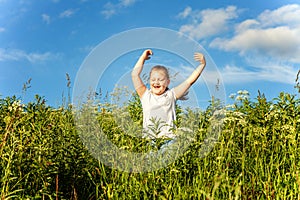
(158, 102)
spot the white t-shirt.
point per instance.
(159, 112)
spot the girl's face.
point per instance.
(159, 82)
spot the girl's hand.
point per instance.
(200, 58)
(146, 54)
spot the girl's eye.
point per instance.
(157, 80)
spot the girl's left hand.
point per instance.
(199, 57)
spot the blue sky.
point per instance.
(254, 44)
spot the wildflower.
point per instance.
(245, 92)
(230, 106)
(231, 96)
(239, 98)
(240, 92)
(238, 114)
(16, 106)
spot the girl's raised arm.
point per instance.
(182, 88)
(139, 86)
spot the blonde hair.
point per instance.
(161, 68)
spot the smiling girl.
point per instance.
(159, 101)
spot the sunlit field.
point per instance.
(256, 156)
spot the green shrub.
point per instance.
(256, 155)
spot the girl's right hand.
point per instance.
(146, 54)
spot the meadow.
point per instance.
(256, 154)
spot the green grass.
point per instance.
(257, 154)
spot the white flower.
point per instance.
(245, 92)
(231, 96)
(239, 98)
(229, 106)
(240, 92)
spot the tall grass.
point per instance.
(256, 155)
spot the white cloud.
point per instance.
(67, 13)
(37, 57)
(126, 3)
(185, 13)
(288, 14)
(111, 9)
(18, 55)
(87, 49)
(247, 24)
(279, 43)
(273, 33)
(46, 18)
(209, 22)
(270, 72)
